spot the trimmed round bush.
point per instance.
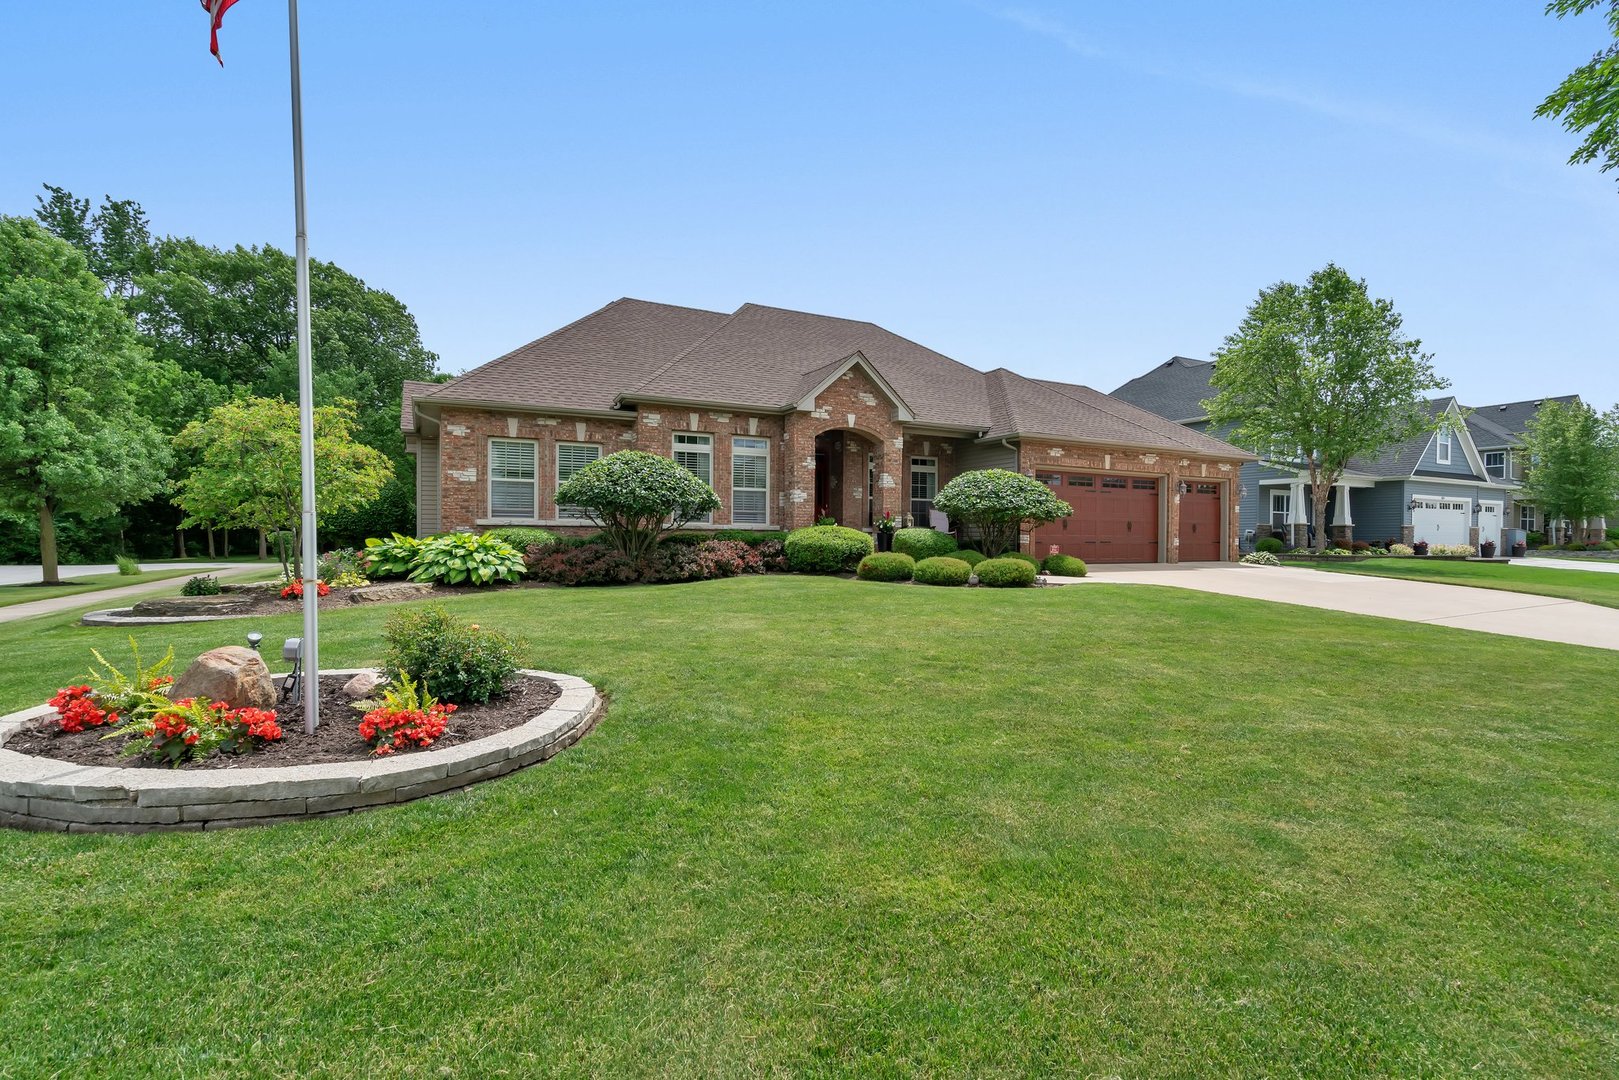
(1269, 545)
(996, 504)
(924, 543)
(969, 556)
(942, 570)
(1064, 566)
(827, 549)
(1030, 559)
(886, 566)
(1005, 573)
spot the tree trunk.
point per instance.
(1318, 503)
(210, 532)
(180, 543)
(47, 544)
(264, 545)
(224, 543)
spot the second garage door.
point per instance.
(1115, 518)
(1200, 523)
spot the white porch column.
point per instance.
(1342, 516)
(1297, 514)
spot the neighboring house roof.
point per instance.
(774, 359)
(1175, 389)
(1486, 434)
(1514, 416)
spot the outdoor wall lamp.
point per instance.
(1184, 487)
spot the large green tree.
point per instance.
(1588, 100)
(1572, 453)
(76, 386)
(246, 471)
(1325, 368)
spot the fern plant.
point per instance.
(133, 693)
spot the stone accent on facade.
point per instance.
(855, 405)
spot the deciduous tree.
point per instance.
(1572, 453)
(1326, 369)
(1588, 100)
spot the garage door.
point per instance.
(1115, 518)
(1200, 523)
(1441, 521)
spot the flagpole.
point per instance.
(306, 400)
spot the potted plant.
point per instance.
(1520, 549)
(885, 531)
(1420, 547)
(1487, 549)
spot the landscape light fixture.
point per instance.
(293, 649)
(253, 640)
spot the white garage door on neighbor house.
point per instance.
(1441, 521)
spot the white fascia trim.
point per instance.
(626, 416)
(902, 411)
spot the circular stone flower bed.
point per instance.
(236, 601)
(76, 782)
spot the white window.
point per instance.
(750, 481)
(1281, 503)
(571, 457)
(1444, 447)
(514, 478)
(924, 485)
(696, 453)
(1495, 463)
(1526, 517)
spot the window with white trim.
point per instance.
(695, 453)
(750, 481)
(1495, 463)
(924, 485)
(1526, 517)
(1443, 452)
(571, 457)
(514, 478)
(1281, 503)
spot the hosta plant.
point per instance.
(457, 558)
(408, 716)
(391, 557)
(193, 728)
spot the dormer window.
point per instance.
(1495, 464)
(1444, 447)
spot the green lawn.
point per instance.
(1591, 586)
(844, 828)
(24, 594)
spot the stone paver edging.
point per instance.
(42, 794)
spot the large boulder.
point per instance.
(232, 674)
(393, 591)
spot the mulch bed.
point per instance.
(337, 739)
(266, 599)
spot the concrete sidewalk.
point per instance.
(1492, 611)
(122, 595)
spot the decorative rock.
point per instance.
(232, 674)
(361, 686)
(394, 590)
(223, 604)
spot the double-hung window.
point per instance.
(1495, 463)
(1281, 503)
(1443, 452)
(514, 483)
(924, 485)
(750, 481)
(1526, 517)
(696, 454)
(571, 457)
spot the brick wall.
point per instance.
(853, 403)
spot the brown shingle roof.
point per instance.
(771, 358)
(407, 402)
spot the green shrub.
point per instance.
(1575, 546)
(826, 549)
(636, 498)
(520, 536)
(1534, 539)
(997, 503)
(128, 565)
(886, 566)
(1605, 545)
(1064, 566)
(343, 563)
(201, 585)
(1270, 545)
(1005, 573)
(751, 537)
(923, 543)
(392, 557)
(1612, 535)
(1030, 559)
(459, 662)
(464, 557)
(942, 570)
(969, 556)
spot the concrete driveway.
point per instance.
(1491, 611)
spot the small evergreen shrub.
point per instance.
(637, 498)
(201, 585)
(1270, 545)
(996, 504)
(886, 566)
(1534, 539)
(1064, 566)
(827, 549)
(923, 543)
(456, 661)
(521, 537)
(1575, 546)
(1030, 559)
(942, 570)
(969, 556)
(1005, 573)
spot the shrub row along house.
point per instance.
(794, 418)
(1456, 486)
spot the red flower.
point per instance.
(390, 729)
(295, 589)
(76, 710)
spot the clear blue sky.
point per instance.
(1076, 191)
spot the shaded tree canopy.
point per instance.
(1587, 101)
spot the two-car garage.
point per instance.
(1120, 519)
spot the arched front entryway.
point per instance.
(849, 471)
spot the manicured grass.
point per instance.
(1591, 586)
(845, 828)
(24, 594)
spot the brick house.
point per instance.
(792, 417)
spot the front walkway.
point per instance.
(118, 595)
(1492, 611)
